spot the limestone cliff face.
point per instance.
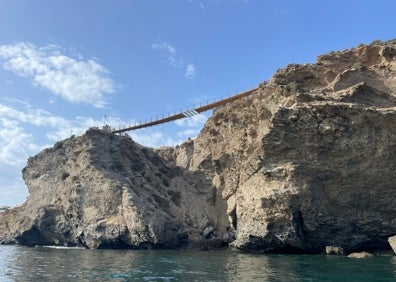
(100, 190)
(307, 161)
(310, 159)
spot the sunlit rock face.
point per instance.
(307, 161)
(310, 159)
(101, 190)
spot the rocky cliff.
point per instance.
(101, 190)
(307, 161)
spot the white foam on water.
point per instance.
(64, 247)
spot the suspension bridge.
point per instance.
(184, 114)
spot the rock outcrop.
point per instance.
(307, 161)
(360, 255)
(101, 190)
(392, 243)
(333, 250)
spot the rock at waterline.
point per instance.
(392, 243)
(360, 255)
(333, 250)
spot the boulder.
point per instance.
(360, 255)
(392, 243)
(332, 250)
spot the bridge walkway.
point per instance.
(188, 113)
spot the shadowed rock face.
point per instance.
(100, 190)
(308, 161)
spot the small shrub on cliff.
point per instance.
(162, 202)
(252, 132)
(58, 145)
(165, 182)
(292, 86)
(137, 166)
(175, 197)
(117, 165)
(263, 84)
(65, 175)
(376, 42)
(357, 66)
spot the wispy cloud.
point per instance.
(19, 120)
(164, 46)
(17, 143)
(194, 121)
(198, 3)
(191, 127)
(154, 138)
(168, 52)
(13, 190)
(188, 133)
(74, 79)
(190, 71)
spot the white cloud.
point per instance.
(194, 121)
(215, 2)
(198, 3)
(164, 46)
(13, 190)
(153, 138)
(188, 133)
(191, 127)
(21, 125)
(75, 80)
(36, 117)
(190, 71)
(19, 131)
(16, 144)
(169, 52)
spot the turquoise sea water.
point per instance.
(54, 264)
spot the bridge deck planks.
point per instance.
(181, 115)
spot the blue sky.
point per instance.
(69, 65)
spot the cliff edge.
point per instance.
(102, 190)
(305, 162)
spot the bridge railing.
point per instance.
(183, 114)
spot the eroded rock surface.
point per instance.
(307, 161)
(100, 190)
